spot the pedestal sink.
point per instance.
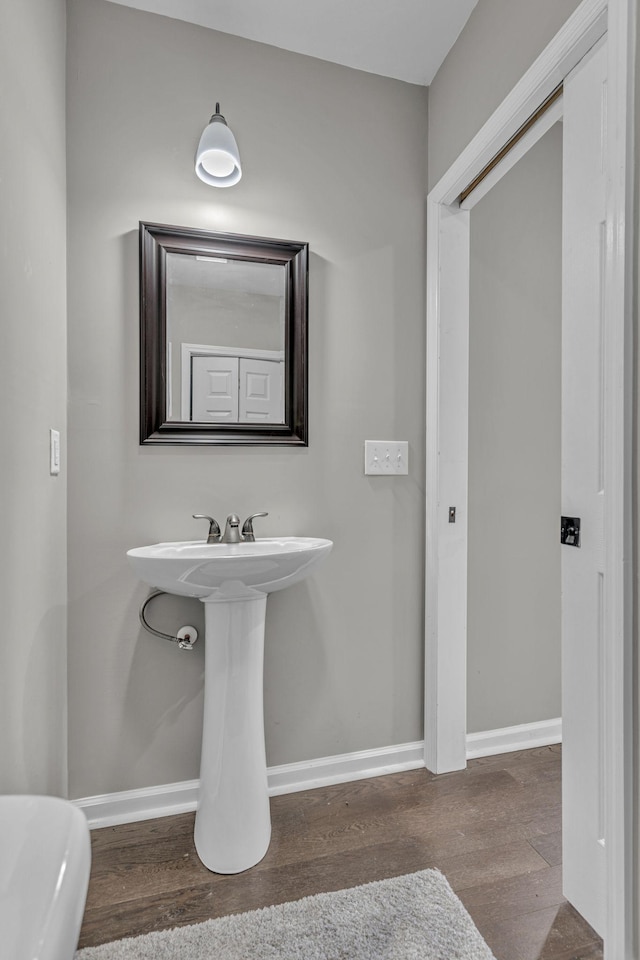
(233, 822)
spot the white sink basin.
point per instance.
(45, 858)
(193, 568)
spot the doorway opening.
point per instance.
(513, 570)
(448, 274)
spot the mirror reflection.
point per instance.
(225, 339)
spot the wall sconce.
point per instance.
(217, 156)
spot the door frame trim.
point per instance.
(447, 433)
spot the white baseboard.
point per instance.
(169, 799)
(146, 803)
(524, 736)
(293, 777)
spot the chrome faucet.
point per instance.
(232, 529)
(232, 532)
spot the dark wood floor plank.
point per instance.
(518, 938)
(570, 931)
(492, 829)
(128, 835)
(549, 934)
(589, 951)
(505, 899)
(549, 847)
(509, 861)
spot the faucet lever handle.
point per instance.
(247, 527)
(214, 526)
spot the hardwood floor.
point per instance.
(493, 830)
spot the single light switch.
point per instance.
(54, 452)
(390, 457)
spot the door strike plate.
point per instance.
(452, 514)
(570, 531)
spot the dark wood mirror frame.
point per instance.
(156, 241)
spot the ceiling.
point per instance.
(404, 39)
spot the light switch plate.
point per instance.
(54, 452)
(386, 457)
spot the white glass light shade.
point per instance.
(217, 156)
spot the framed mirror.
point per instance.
(223, 338)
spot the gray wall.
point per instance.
(514, 444)
(343, 664)
(499, 42)
(32, 397)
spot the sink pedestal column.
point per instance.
(233, 822)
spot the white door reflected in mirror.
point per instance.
(223, 388)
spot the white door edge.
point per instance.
(620, 939)
(447, 350)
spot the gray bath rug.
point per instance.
(415, 917)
